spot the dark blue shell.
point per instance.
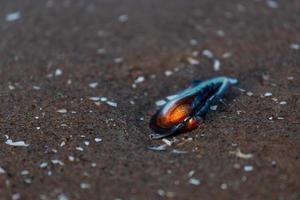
(200, 96)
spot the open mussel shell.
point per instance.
(187, 108)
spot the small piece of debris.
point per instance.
(123, 18)
(272, 4)
(223, 186)
(214, 107)
(16, 196)
(2, 171)
(57, 162)
(58, 72)
(36, 87)
(17, 144)
(217, 65)
(158, 148)
(226, 55)
(249, 94)
(248, 168)
(98, 140)
(118, 60)
(160, 102)
(191, 173)
(43, 165)
(13, 16)
(167, 142)
(239, 154)
(62, 197)
(207, 53)
(295, 46)
(140, 79)
(168, 73)
(111, 103)
(193, 42)
(93, 84)
(194, 181)
(192, 61)
(85, 185)
(79, 149)
(24, 172)
(268, 94)
(62, 111)
(176, 151)
(282, 102)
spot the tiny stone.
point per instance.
(214, 107)
(282, 102)
(249, 94)
(98, 140)
(123, 18)
(217, 65)
(268, 94)
(168, 73)
(85, 185)
(207, 53)
(93, 85)
(194, 181)
(58, 72)
(62, 111)
(223, 186)
(13, 16)
(79, 149)
(248, 168)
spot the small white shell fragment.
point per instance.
(193, 61)
(71, 158)
(194, 181)
(111, 103)
(57, 162)
(58, 72)
(268, 94)
(98, 140)
(191, 173)
(248, 168)
(282, 102)
(167, 142)
(85, 185)
(240, 154)
(140, 79)
(295, 46)
(272, 4)
(94, 98)
(13, 16)
(103, 99)
(123, 18)
(24, 172)
(79, 149)
(43, 165)
(93, 84)
(17, 144)
(226, 55)
(118, 60)
(2, 171)
(62, 197)
(217, 65)
(62, 111)
(207, 53)
(160, 102)
(168, 73)
(158, 148)
(36, 87)
(214, 107)
(193, 42)
(87, 143)
(249, 94)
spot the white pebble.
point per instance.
(43, 165)
(13, 16)
(217, 65)
(85, 185)
(93, 84)
(79, 149)
(58, 72)
(123, 18)
(194, 181)
(282, 102)
(268, 94)
(295, 46)
(113, 104)
(62, 111)
(214, 107)
(248, 168)
(98, 139)
(168, 72)
(207, 53)
(160, 102)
